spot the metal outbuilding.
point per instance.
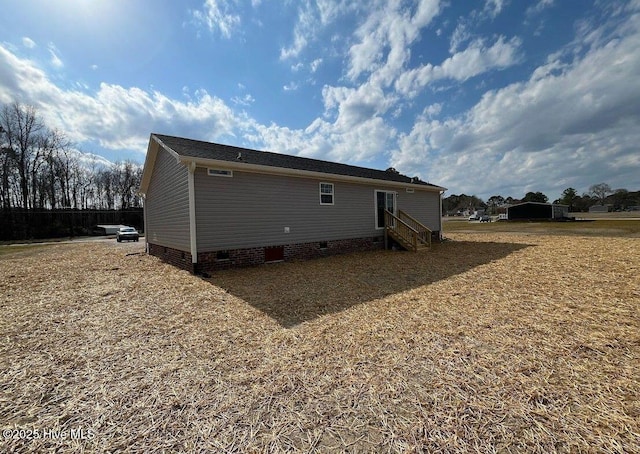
(537, 210)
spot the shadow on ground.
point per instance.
(295, 292)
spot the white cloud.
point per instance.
(402, 30)
(539, 7)
(275, 138)
(475, 59)
(353, 128)
(217, 15)
(576, 116)
(28, 42)
(460, 35)
(121, 118)
(355, 105)
(330, 10)
(358, 144)
(570, 124)
(315, 64)
(305, 28)
(426, 11)
(90, 160)
(114, 116)
(56, 62)
(389, 25)
(467, 26)
(299, 43)
(388, 31)
(373, 38)
(313, 18)
(354, 131)
(245, 100)
(324, 140)
(433, 110)
(495, 7)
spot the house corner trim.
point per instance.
(192, 212)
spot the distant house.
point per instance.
(537, 211)
(600, 208)
(209, 206)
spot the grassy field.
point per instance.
(493, 341)
(598, 227)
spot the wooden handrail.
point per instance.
(402, 229)
(424, 233)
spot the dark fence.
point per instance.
(20, 224)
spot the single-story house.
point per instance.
(537, 211)
(209, 206)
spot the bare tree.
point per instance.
(86, 175)
(39, 168)
(105, 188)
(8, 171)
(49, 144)
(126, 178)
(600, 191)
(23, 128)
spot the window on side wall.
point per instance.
(326, 193)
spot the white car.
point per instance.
(127, 234)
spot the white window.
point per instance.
(326, 193)
(220, 172)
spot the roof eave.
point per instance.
(152, 152)
(149, 162)
(283, 171)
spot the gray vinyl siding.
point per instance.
(422, 205)
(252, 210)
(167, 204)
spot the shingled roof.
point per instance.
(213, 151)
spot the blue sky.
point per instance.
(483, 97)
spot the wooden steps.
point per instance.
(407, 231)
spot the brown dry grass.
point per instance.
(489, 343)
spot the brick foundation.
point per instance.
(172, 256)
(209, 261)
(233, 258)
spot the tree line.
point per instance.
(42, 170)
(598, 194)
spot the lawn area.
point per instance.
(493, 341)
(597, 227)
